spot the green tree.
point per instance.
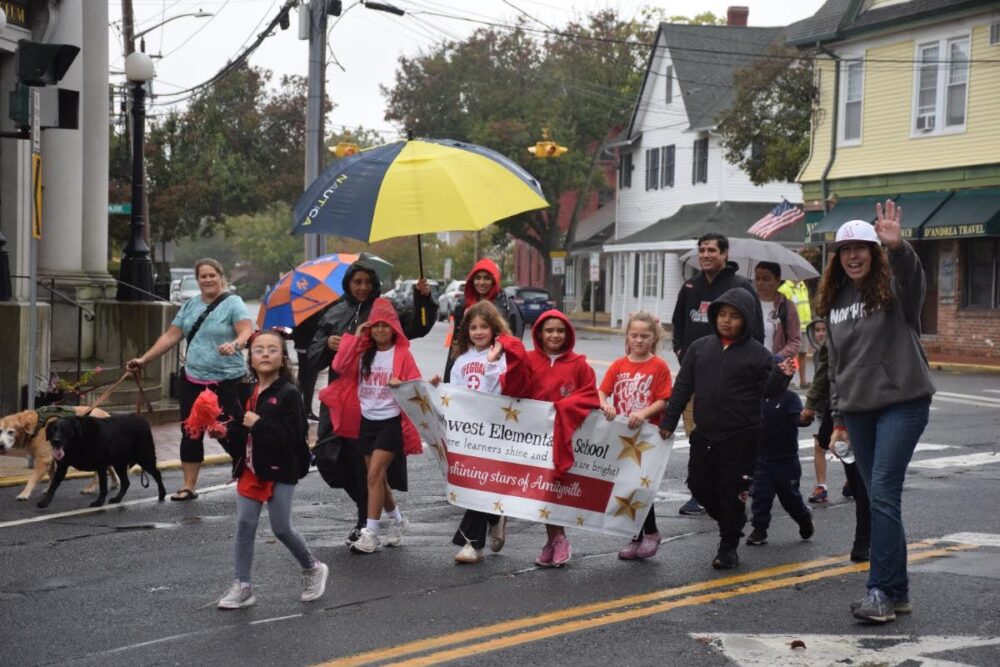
(766, 131)
(500, 87)
(264, 246)
(236, 148)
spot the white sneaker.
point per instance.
(498, 534)
(396, 531)
(367, 543)
(237, 597)
(314, 582)
(469, 554)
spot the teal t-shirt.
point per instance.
(203, 361)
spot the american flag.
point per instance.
(781, 216)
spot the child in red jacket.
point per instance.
(563, 377)
(362, 408)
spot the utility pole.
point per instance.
(315, 124)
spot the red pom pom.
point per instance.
(204, 414)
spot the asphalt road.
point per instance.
(137, 584)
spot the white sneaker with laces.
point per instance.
(498, 534)
(314, 582)
(367, 543)
(396, 531)
(237, 597)
(469, 554)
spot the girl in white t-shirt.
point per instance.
(492, 361)
(363, 408)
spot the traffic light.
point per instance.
(41, 64)
(546, 148)
(345, 146)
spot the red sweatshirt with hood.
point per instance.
(341, 395)
(568, 381)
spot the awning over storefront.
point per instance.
(918, 207)
(967, 213)
(848, 208)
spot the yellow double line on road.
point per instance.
(474, 641)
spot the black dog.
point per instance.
(87, 443)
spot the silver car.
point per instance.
(446, 304)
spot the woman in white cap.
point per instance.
(871, 296)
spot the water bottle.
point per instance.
(842, 449)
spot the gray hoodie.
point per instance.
(876, 359)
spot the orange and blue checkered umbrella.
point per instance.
(311, 287)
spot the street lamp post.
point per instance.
(136, 272)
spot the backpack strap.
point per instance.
(208, 311)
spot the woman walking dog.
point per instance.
(216, 326)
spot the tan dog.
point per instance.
(22, 431)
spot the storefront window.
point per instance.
(982, 277)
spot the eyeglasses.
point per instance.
(270, 349)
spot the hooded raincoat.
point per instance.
(341, 396)
(568, 381)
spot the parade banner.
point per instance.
(496, 455)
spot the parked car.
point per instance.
(531, 301)
(403, 291)
(184, 289)
(446, 304)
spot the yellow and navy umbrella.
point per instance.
(414, 187)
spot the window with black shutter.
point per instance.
(625, 171)
(670, 84)
(699, 166)
(652, 168)
(667, 170)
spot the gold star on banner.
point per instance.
(420, 400)
(452, 496)
(445, 400)
(424, 425)
(628, 506)
(579, 520)
(511, 413)
(632, 449)
(544, 513)
(645, 482)
(498, 507)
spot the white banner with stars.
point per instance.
(496, 454)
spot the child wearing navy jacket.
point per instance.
(778, 469)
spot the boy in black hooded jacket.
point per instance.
(729, 373)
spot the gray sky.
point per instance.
(366, 43)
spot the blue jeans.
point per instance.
(883, 442)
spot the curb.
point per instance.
(174, 464)
(954, 367)
(597, 329)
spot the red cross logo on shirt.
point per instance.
(473, 382)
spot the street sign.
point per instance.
(595, 266)
(36, 183)
(558, 262)
(119, 209)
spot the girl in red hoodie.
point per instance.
(637, 386)
(363, 408)
(565, 378)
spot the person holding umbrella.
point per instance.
(361, 286)
(483, 284)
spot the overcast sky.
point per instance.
(366, 43)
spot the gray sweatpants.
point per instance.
(279, 511)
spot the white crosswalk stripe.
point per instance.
(967, 399)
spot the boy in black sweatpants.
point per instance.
(728, 373)
(778, 469)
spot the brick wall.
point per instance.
(972, 334)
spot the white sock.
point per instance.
(372, 525)
(244, 584)
(396, 515)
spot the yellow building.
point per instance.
(909, 109)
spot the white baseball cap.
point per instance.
(854, 231)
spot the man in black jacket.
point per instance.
(690, 319)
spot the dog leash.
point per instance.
(139, 401)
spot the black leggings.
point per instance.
(193, 449)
